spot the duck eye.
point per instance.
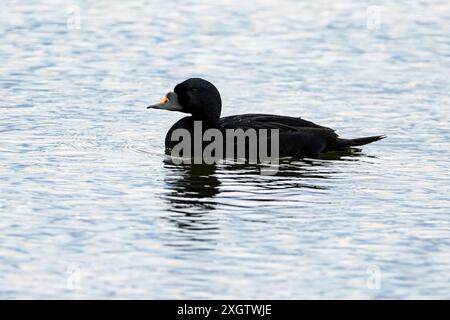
(194, 90)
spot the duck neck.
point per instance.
(210, 118)
(207, 122)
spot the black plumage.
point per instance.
(297, 137)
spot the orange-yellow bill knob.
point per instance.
(164, 100)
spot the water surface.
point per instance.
(91, 208)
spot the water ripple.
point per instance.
(91, 208)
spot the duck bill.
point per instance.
(169, 102)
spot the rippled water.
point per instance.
(91, 208)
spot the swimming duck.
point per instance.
(297, 137)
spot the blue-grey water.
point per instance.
(91, 208)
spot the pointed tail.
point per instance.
(345, 143)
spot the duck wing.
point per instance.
(268, 121)
(298, 137)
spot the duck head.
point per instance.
(195, 96)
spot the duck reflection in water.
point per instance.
(194, 192)
(191, 195)
(191, 185)
(194, 188)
